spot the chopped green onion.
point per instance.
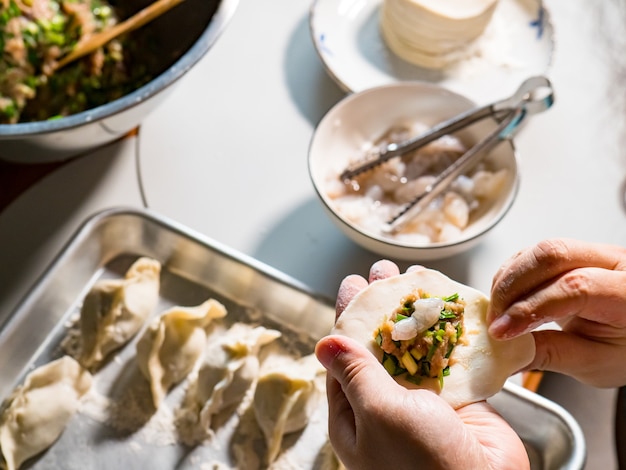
(431, 351)
(447, 315)
(415, 379)
(391, 365)
(408, 308)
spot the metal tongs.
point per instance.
(533, 96)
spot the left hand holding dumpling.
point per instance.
(376, 423)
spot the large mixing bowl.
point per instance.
(185, 34)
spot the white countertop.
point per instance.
(226, 153)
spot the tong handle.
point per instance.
(460, 166)
(395, 149)
(534, 95)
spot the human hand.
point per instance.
(582, 287)
(376, 423)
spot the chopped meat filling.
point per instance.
(429, 332)
(35, 34)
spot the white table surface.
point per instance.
(226, 156)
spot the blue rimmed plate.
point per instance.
(518, 43)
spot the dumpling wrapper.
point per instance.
(478, 368)
(173, 343)
(114, 310)
(230, 367)
(285, 397)
(40, 409)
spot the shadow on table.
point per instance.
(38, 218)
(306, 245)
(311, 89)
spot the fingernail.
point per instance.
(327, 350)
(415, 267)
(382, 269)
(500, 326)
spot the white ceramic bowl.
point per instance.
(360, 118)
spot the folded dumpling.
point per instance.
(173, 343)
(39, 410)
(286, 396)
(229, 368)
(114, 310)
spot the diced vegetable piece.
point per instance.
(416, 353)
(409, 363)
(379, 338)
(389, 365)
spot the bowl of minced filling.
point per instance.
(419, 337)
(50, 113)
(367, 122)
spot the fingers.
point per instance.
(348, 288)
(376, 423)
(356, 369)
(553, 279)
(415, 267)
(532, 267)
(353, 283)
(353, 377)
(589, 293)
(341, 421)
(382, 270)
(595, 363)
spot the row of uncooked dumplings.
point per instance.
(112, 313)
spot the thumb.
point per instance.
(588, 361)
(357, 371)
(354, 381)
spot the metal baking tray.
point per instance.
(195, 267)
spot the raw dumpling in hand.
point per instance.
(430, 332)
(171, 346)
(230, 367)
(286, 396)
(115, 309)
(39, 410)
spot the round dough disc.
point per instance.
(479, 368)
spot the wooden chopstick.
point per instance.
(97, 40)
(531, 380)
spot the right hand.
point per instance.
(582, 287)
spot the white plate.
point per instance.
(517, 44)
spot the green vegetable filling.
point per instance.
(30, 44)
(429, 354)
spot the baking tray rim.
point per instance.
(85, 229)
